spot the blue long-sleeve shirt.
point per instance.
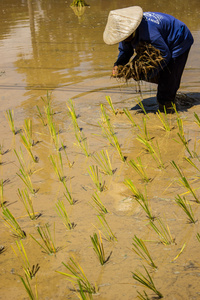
(166, 33)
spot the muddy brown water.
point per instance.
(45, 46)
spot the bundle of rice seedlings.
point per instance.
(144, 63)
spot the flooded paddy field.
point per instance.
(119, 175)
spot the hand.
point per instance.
(115, 71)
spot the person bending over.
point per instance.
(130, 26)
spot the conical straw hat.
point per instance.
(121, 24)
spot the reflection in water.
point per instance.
(60, 49)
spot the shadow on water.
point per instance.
(183, 101)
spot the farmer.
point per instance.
(129, 26)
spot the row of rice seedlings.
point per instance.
(164, 118)
(141, 250)
(110, 134)
(108, 98)
(77, 276)
(10, 118)
(147, 281)
(98, 205)
(62, 212)
(140, 169)
(93, 171)
(184, 181)
(48, 242)
(185, 205)
(163, 232)
(57, 164)
(28, 203)
(140, 198)
(28, 270)
(109, 235)
(33, 295)
(103, 160)
(130, 117)
(12, 223)
(68, 194)
(99, 248)
(149, 147)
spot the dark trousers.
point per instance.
(169, 79)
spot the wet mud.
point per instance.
(74, 70)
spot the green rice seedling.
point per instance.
(48, 242)
(103, 161)
(28, 130)
(82, 142)
(139, 102)
(64, 149)
(184, 181)
(81, 294)
(181, 135)
(108, 98)
(139, 168)
(24, 176)
(10, 118)
(41, 116)
(61, 210)
(141, 250)
(192, 163)
(51, 125)
(185, 205)
(144, 130)
(163, 232)
(68, 194)
(77, 276)
(57, 165)
(31, 294)
(110, 134)
(98, 205)
(93, 171)
(149, 147)
(28, 147)
(140, 198)
(11, 222)
(21, 160)
(147, 281)
(28, 203)
(164, 120)
(128, 114)
(28, 270)
(73, 116)
(107, 230)
(98, 248)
